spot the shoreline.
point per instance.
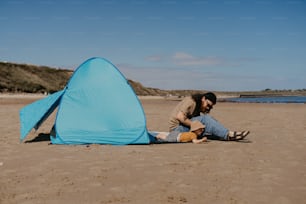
(221, 98)
(21, 95)
(30, 97)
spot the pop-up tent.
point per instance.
(97, 106)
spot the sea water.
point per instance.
(273, 99)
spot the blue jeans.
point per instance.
(212, 127)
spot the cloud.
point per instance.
(154, 58)
(173, 79)
(185, 59)
(170, 72)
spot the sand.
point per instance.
(268, 167)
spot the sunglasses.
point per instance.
(209, 106)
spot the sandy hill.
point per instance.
(31, 78)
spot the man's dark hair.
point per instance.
(198, 99)
(211, 96)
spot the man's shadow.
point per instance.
(41, 137)
(215, 138)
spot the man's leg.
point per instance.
(212, 126)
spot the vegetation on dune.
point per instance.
(31, 78)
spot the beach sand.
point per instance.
(268, 167)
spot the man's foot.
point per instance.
(235, 136)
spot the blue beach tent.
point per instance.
(97, 106)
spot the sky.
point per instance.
(216, 45)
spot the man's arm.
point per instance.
(183, 119)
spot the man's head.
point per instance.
(208, 101)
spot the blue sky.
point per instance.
(227, 45)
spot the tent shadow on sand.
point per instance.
(41, 137)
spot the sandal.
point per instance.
(238, 135)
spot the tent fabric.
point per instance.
(33, 115)
(97, 106)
